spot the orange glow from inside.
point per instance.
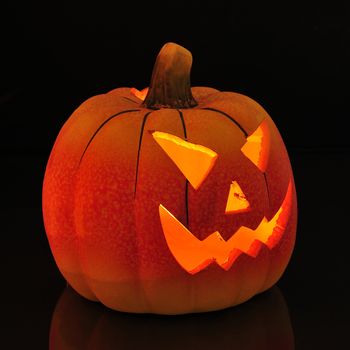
(139, 94)
(257, 146)
(236, 201)
(194, 255)
(194, 161)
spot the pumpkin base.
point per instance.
(120, 296)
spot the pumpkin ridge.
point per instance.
(186, 188)
(227, 116)
(101, 126)
(77, 238)
(129, 99)
(75, 234)
(267, 187)
(140, 280)
(183, 122)
(191, 285)
(139, 149)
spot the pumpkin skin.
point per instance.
(262, 323)
(106, 178)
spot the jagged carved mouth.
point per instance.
(194, 255)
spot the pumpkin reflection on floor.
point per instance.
(261, 323)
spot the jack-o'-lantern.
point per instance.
(172, 199)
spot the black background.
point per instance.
(292, 59)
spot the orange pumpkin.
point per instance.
(172, 199)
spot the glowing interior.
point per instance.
(140, 94)
(194, 255)
(258, 145)
(236, 201)
(194, 161)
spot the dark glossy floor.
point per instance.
(309, 309)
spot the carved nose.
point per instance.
(236, 201)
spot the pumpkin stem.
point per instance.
(170, 85)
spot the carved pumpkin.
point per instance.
(172, 199)
(262, 323)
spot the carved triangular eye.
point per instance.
(194, 161)
(257, 147)
(236, 201)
